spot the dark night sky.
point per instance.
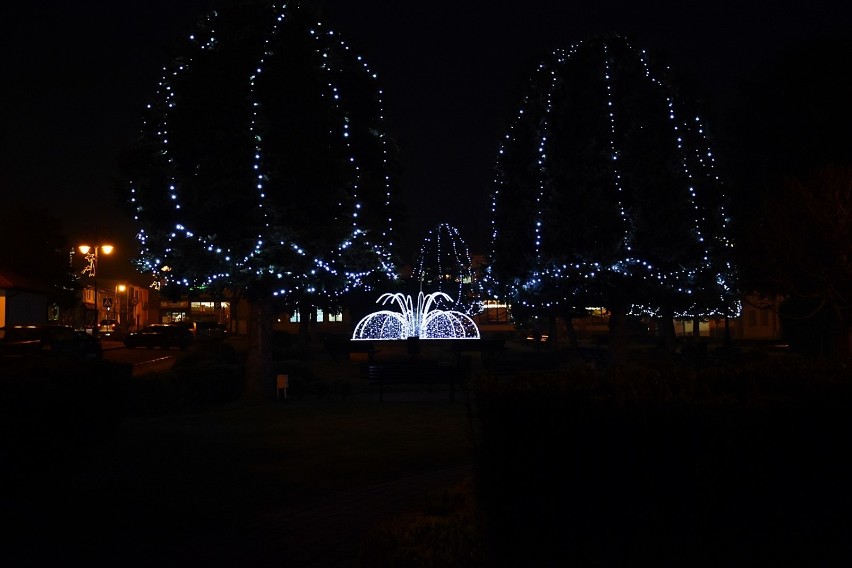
(76, 75)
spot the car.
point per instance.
(162, 335)
(108, 328)
(210, 330)
(190, 325)
(89, 345)
(35, 340)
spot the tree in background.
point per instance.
(264, 167)
(793, 178)
(444, 265)
(805, 252)
(34, 248)
(607, 195)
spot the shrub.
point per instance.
(664, 463)
(447, 532)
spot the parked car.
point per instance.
(108, 328)
(210, 330)
(162, 335)
(17, 341)
(90, 345)
(190, 325)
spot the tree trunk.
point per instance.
(843, 349)
(617, 332)
(234, 323)
(570, 331)
(306, 317)
(552, 333)
(259, 380)
(666, 330)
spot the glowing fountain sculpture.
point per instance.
(424, 320)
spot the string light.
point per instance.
(168, 231)
(700, 279)
(444, 265)
(423, 320)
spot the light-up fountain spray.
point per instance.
(423, 320)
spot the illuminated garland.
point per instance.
(699, 285)
(167, 238)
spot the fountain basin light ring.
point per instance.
(423, 320)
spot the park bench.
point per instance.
(511, 367)
(342, 348)
(487, 347)
(417, 373)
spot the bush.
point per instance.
(667, 464)
(446, 533)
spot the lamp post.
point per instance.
(91, 255)
(122, 314)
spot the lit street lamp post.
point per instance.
(121, 308)
(91, 269)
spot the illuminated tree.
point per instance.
(606, 194)
(263, 166)
(444, 265)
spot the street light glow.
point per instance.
(91, 254)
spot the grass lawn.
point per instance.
(165, 479)
(579, 464)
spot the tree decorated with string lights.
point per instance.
(264, 166)
(606, 194)
(444, 265)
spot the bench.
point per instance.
(510, 367)
(342, 348)
(488, 347)
(404, 373)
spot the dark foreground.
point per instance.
(718, 465)
(710, 467)
(284, 483)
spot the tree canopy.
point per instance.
(263, 162)
(607, 191)
(264, 166)
(36, 251)
(793, 180)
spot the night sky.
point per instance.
(77, 74)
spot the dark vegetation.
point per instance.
(720, 465)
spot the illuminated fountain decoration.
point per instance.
(423, 320)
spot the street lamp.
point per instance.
(122, 314)
(91, 255)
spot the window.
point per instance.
(335, 317)
(320, 316)
(294, 317)
(494, 312)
